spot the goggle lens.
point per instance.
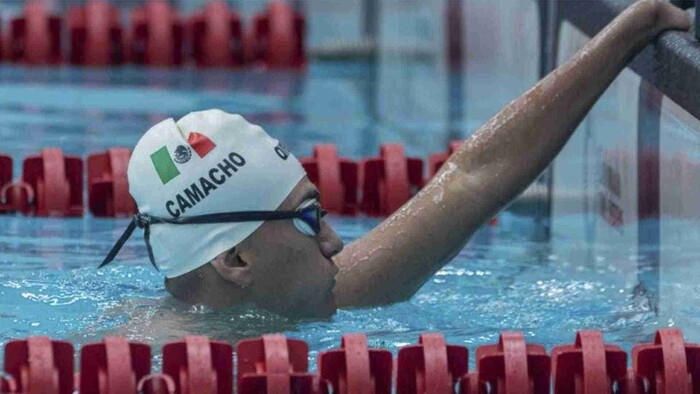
(312, 214)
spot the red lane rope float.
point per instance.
(668, 365)
(589, 366)
(431, 366)
(40, 365)
(388, 181)
(7, 383)
(199, 366)
(113, 366)
(156, 35)
(96, 34)
(13, 197)
(6, 166)
(16, 197)
(274, 364)
(57, 181)
(2, 43)
(276, 38)
(513, 367)
(335, 177)
(355, 369)
(217, 36)
(35, 36)
(108, 186)
(470, 384)
(156, 383)
(436, 160)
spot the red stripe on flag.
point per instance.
(200, 143)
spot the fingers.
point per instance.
(670, 17)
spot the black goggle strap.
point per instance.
(137, 221)
(120, 242)
(311, 215)
(147, 238)
(228, 217)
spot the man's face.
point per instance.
(292, 272)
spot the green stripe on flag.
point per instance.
(164, 165)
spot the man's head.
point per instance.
(278, 267)
(211, 163)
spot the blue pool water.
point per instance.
(507, 278)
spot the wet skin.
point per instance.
(278, 267)
(491, 167)
(298, 277)
(283, 270)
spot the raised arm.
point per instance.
(494, 165)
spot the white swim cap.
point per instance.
(208, 162)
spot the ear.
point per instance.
(231, 266)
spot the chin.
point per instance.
(323, 308)
(319, 309)
(319, 303)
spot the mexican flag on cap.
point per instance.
(163, 161)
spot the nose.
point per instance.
(328, 241)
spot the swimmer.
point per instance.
(230, 217)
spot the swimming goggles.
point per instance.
(307, 219)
